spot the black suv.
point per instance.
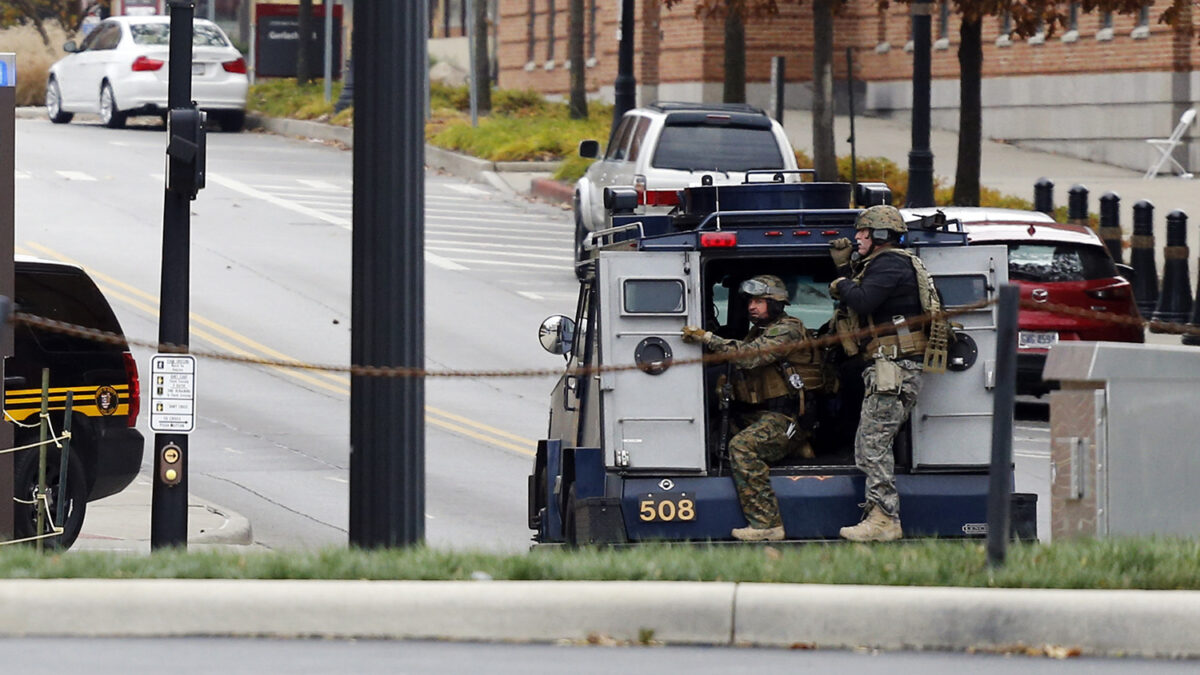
(106, 448)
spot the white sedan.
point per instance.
(121, 70)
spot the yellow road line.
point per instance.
(333, 382)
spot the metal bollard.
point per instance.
(1077, 205)
(1043, 196)
(1175, 301)
(1141, 257)
(1193, 339)
(1110, 224)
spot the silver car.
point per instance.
(673, 145)
(121, 68)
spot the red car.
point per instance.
(1053, 263)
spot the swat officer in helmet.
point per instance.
(772, 389)
(883, 290)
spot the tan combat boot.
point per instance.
(875, 526)
(757, 534)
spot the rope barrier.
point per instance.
(408, 371)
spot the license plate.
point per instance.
(1027, 339)
(667, 508)
(197, 68)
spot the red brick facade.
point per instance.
(677, 47)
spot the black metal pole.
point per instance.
(625, 86)
(168, 503)
(387, 415)
(1000, 478)
(920, 158)
(851, 140)
(8, 103)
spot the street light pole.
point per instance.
(920, 157)
(625, 86)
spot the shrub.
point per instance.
(34, 58)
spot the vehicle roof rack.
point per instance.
(682, 106)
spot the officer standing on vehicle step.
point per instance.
(883, 291)
(772, 390)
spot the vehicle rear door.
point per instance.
(952, 422)
(653, 411)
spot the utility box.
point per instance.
(1122, 453)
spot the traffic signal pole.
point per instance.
(185, 151)
(920, 157)
(625, 86)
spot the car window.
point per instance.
(90, 40)
(808, 300)
(620, 142)
(70, 297)
(720, 148)
(107, 37)
(160, 34)
(1058, 262)
(635, 146)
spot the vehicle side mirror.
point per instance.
(1126, 271)
(556, 334)
(70, 47)
(589, 149)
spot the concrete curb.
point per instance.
(552, 190)
(234, 530)
(1108, 623)
(302, 129)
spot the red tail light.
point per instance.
(1118, 292)
(718, 239)
(237, 65)
(660, 198)
(146, 63)
(135, 388)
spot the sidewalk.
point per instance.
(121, 523)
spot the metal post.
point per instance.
(8, 102)
(168, 503)
(1000, 476)
(778, 81)
(1077, 205)
(1175, 301)
(43, 436)
(920, 158)
(64, 465)
(852, 141)
(472, 91)
(1141, 256)
(387, 416)
(327, 8)
(1110, 224)
(1043, 196)
(625, 86)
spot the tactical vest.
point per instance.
(769, 381)
(930, 340)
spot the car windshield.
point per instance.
(1058, 262)
(156, 34)
(716, 148)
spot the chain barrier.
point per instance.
(402, 371)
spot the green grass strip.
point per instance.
(1147, 563)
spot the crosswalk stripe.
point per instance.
(489, 245)
(75, 175)
(507, 263)
(466, 189)
(318, 184)
(444, 263)
(492, 251)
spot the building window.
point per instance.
(944, 19)
(591, 36)
(1004, 39)
(1072, 33)
(531, 35)
(550, 17)
(1142, 30)
(1106, 27)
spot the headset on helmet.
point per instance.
(885, 222)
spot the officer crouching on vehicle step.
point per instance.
(772, 400)
(883, 291)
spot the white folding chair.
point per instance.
(1166, 147)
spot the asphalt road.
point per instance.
(270, 270)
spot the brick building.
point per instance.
(1096, 91)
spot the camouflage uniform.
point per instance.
(882, 416)
(763, 435)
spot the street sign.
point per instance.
(173, 393)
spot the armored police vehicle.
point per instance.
(636, 444)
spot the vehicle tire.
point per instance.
(54, 104)
(231, 121)
(580, 233)
(110, 115)
(25, 477)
